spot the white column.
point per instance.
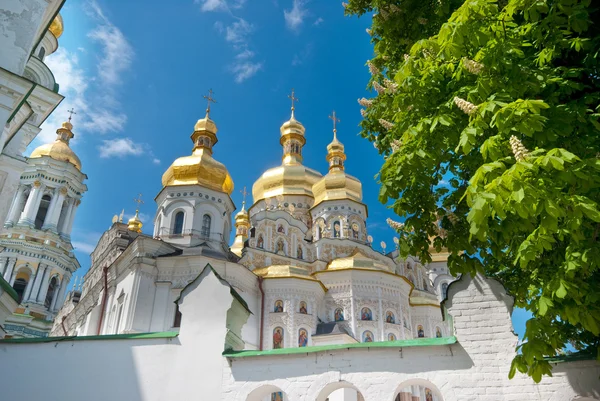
(39, 273)
(72, 217)
(60, 294)
(9, 269)
(51, 222)
(3, 263)
(43, 285)
(65, 224)
(29, 288)
(32, 205)
(14, 208)
(381, 317)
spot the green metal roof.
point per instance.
(161, 334)
(577, 356)
(416, 342)
(6, 287)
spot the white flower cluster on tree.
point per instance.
(373, 69)
(395, 9)
(396, 145)
(380, 89)
(453, 218)
(363, 113)
(396, 225)
(466, 106)
(518, 149)
(344, 4)
(369, 32)
(390, 85)
(386, 124)
(472, 66)
(406, 57)
(365, 102)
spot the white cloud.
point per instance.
(299, 58)
(117, 53)
(102, 121)
(245, 70)
(211, 5)
(84, 247)
(156, 161)
(295, 16)
(244, 65)
(238, 31)
(120, 148)
(318, 21)
(244, 55)
(219, 5)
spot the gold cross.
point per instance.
(294, 99)
(71, 112)
(209, 99)
(335, 120)
(244, 193)
(139, 200)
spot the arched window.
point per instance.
(438, 332)
(319, 232)
(368, 337)
(260, 242)
(42, 211)
(19, 286)
(425, 287)
(338, 315)
(444, 290)
(205, 231)
(303, 308)
(178, 225)
(42, 53)
(299, 253)
(420, 331)
(278, 306)
(51, 290)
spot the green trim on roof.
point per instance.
(416, 342)
(7, 288)
(577, 356)
(137, 336)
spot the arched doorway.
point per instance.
(267, 392)
(418, 390)
(19, 287)
(340, 391)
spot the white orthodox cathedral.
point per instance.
(298, 307)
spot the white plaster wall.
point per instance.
(191, 367)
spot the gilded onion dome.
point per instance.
(337, 184)
(134, 223)
(200, 168)
(291, 178)
(242, 225)
(56, 27)
(59, 149)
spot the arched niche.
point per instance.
(267, 392)
(423, 387)
(338, 390)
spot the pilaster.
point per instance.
(36, 284)
(9, 270)
(43, 286)
(33, 202)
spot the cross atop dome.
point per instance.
(209, 99)
(293, 99)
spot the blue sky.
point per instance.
(135, 72)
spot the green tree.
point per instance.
(487, 115)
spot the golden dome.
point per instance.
(242, 216)
(337, 184)
(200, 168)
(291, 178)
(134, 223)
(57, 27)
(59, 149)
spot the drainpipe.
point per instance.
(262, 311)
(62, 324)
(104, 297)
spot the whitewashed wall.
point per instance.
(190, 367)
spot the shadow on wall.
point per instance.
(116, 367)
